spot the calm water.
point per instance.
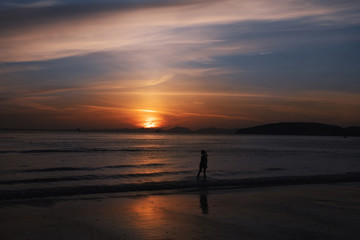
(37, 160)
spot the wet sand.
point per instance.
(312, 211)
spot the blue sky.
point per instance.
(227, 63)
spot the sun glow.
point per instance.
(151, 122)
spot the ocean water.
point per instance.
(69, 162)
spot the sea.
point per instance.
(62, 163)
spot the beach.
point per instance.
(311, 211)
(179, 120)
(100, 185)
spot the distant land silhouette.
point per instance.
(182, 130)
(215, 131)
(282, 128)
(301, 128)
(177, 130)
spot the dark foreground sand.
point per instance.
(323, 211)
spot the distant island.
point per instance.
(282, 128)
(182, 130)
(301, 128)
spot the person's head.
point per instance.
(203, 152)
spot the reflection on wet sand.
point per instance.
(204, 203)
(149, 218)
(318, 211)
(158, 216)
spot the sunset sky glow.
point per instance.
(95, 64)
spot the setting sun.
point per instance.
(151, 122)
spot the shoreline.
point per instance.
(8, 195)
(310, 211)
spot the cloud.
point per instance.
(225, 59)
(36, 4)
(18, 68)
(37, 35)
(140, 44)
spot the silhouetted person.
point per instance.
(203, 163)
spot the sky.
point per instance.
(102, 64)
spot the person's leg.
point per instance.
(204, 173)
(199, 173)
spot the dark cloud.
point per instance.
(16, 19)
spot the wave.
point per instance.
(82, 150)
(66, 169)
(158, 149)
(183, 184)
(90, 177)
